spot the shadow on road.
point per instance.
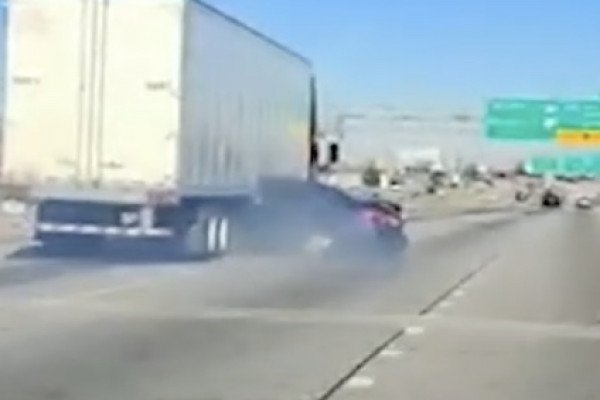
(33, 263)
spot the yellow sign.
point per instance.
(578, 137)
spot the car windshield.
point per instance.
(299, 199)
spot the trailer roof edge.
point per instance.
(254, 31)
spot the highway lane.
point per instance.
(242, 328)
(524, 327)
(228, 280)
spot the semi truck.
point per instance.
(150, 119)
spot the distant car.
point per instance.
(431, 189)
(583, 202)
(500, 174)
(454, 181)
(522, 195)
(551, 199)
(570, 179)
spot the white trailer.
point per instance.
(149, 117)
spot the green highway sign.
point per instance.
(587, 165)
(519, 120)
(579, 114)
(543, 165)
(539, 120)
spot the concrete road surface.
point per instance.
(491, 306)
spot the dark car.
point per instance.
(318, 218)
(551, 199)
(522, 195)
(356, 223)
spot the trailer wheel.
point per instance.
(195, 239)
(208, 236)
(223, 235)
(212, 235)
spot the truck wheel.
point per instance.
(223, 235)
(196, 242)
(209, 236)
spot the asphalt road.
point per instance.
(489, 306)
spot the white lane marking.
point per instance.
(134, 284)
(44, 302)
(104, 291)
(360, 382)
(446, 304)
(414, 330)
(391, 353)
(458, 293)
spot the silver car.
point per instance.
(583, 202)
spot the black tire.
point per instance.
(208, 236)
(521, 196)
(223, 235)
(551, 200)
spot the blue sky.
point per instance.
(437, 55)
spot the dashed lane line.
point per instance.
(461, 282)
(353, 373)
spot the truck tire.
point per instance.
(223, 235)
(208, 236)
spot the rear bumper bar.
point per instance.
(98, 230)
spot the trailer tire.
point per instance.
(195, 239)
(208, 236)
(223, 235)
